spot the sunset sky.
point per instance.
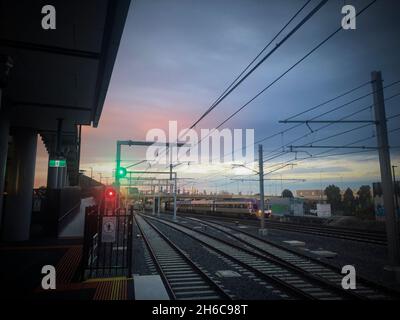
(177, 57)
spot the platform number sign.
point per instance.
(57, 163)
(108, 234)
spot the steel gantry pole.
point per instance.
(386, 173)
(154, 199)
(261, 178)
(396, 191)
(118, 165)
(158, 203)
(175, 190)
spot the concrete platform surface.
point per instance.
(149, 287)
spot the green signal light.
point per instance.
(121, 172)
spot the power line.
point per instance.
(325, 126)
(304, 20)
(342, 133)
(324, 155)
(393, 116)
(232, 88)
(310, 109)
(289, 69)
(328, 101)
(343, 118)
(324, 41)
(325, 113)
(320, 115)
(234, 84)
(283, 74)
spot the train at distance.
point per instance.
(240, 208)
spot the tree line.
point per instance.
(359, 204)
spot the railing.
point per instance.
(107, 247)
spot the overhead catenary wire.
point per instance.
(342, 118)
(296, 28)
(284, 73)
(323, 42)
(237, 82)
(329, 111)
(311, 109)
(287, 71)
(324, 155)
(291, 68)
(336, 134)
(318, 106)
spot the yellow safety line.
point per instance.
(106, 279)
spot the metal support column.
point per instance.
(154, 200)
(6, 64)
(396, 191)
(17, 217)
(261, 178)
(118, 165)
(4, 135)
(386, 173)
(159, 203)
(60, 170)
(175, 190)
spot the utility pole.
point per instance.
(386, 173)
(261, 178)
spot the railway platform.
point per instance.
(21, 275)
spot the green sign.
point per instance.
(57, 163)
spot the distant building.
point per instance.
(312, 194)
(285, 206)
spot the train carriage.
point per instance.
(240, 208)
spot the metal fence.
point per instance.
(107, 247)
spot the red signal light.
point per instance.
(110, 193)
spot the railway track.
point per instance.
(364, 287)
(341, 233)
(298, 277)
(373, 237)
(182, 277)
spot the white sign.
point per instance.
(108, 233)
(323, 210)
